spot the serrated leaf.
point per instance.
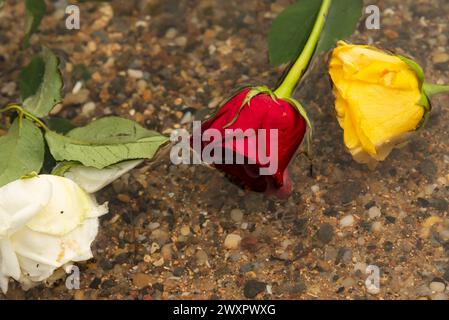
(60, 125)
(40, 84)
(35, 11)
(290, 31)
(341, 23)
(105, 142)
(22, 151)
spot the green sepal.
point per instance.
(62, 167)
(30, 175)
(303, 113)
(247, 101)
(424, 99)
(414, 67)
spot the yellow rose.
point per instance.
(378, 99)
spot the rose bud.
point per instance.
(253, 138)
(380, 99)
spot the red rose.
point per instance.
(273, 148)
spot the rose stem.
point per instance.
(287, 86)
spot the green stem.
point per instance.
(23, 112)
(287, 86)
(434, 89)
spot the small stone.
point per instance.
(162, 237)
(8, 89)
(88, 109)
(185, 230)
(437, 286)
(154, 247)
(167, 252)
(315, 189)
(348, 282)
(376, 226)
(347, 221)
(136, 74)
(77, 98)
(142, 280)
(325, 233)
(201, 257)
(250, 243)
(124, 198)
(374, 212)
(171, 33)
(232, 241)
(159, 263)
(153, 225)
(181, 41)
(178, 271)
(253, 288)
(236, 215)
(440, 57)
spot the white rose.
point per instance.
(46, 222)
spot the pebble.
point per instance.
(88, 108)
(76, 98)
(348, 282)
(347, 221)
(201, 257)
(236, 215)
(374, 212)
(325, 233)
(253, 288)
(315, 189)
(440, 57)
(8, 89)
(171, 33)
(181, 41)
(136, 74)
(185, 230)
(437, 286)
(142, 280)
(232, 241)
(167, 252)
(159, 263)
(153, 225)
(154, 247)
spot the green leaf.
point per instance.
(60, 125)
(22, 151)
(35, 11)
(341, 23)
(290, 31)
(40, 84)
(105, 142)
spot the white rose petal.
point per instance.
(46, 223)
(93, 180)
(70, 205)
